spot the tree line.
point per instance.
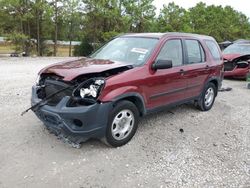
(28, 23)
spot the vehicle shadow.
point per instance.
(234, 79)
(144, 122)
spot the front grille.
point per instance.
(229, 66)
(53, 86)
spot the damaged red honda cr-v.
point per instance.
(133, 75)
(237, 59)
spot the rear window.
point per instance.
(214, 50)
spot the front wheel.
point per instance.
(207, 98)
(122, 124)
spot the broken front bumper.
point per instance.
(75, 124)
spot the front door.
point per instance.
(167, 86)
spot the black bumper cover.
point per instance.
(61, 120)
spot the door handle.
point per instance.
(182, 72)
(207, 67)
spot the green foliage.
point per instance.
(101, 20)
(221, 23)
(102, 17)
(106, 36)
(19, 40)
(84, 49)
(140, 14)
(174, 18)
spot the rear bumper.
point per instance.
(237, 72)
(76, 124)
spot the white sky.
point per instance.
(239, 5)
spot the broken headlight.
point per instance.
(89, 89)
(242, 64)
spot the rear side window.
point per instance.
(195, 52)
(213, 48)
(172, 50)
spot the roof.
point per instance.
(242, 41)
(226, 42)
(160, 35)
(147, 35)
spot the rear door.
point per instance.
(196, 66)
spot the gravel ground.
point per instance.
(213, 150)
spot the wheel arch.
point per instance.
(135, 98)
(216, 81)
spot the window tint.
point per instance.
(172, 50)
(214, 50)
(195, 52)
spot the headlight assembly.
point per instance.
(92, 90)
(89, 89)
(242, 64)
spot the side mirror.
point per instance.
(162, 64)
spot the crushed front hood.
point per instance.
(72, 69)
(236, 57)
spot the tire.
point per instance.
(207, 98)
(122, 124)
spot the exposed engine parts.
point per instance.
(86, 88)
(239, 62)
(92, 90)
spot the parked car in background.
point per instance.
(237, 59)
(133, 75)
(225, 44)
(20, 54)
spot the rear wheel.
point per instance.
(122, 125)
(207, 98)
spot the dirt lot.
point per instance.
(213, 150)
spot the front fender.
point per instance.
(115, 94)
(128, 93)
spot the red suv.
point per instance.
(105, 95)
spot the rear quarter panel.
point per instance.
(216, 66)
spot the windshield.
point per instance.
(132, 50)
(238, 48)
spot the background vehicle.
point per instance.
(237, 59)
(133, 75)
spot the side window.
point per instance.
(195, 52)
(214, 50)
(172, 50)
